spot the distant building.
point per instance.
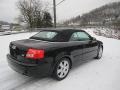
(5, 27)
(16, 27)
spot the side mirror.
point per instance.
(93, 38)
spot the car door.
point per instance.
(76, 47)
(89, 46)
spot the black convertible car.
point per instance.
(53, 52)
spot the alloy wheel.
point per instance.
(63, 69)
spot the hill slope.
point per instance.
(105, 15)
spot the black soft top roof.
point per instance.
(62, 30)
(63, 34)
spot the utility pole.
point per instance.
(54, 10)
(30, 13)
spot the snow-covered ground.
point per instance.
(101, 74)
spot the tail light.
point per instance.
(35, 54)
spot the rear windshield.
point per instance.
(45, 35)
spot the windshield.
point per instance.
(45, 35)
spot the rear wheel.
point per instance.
(62, 69)
(100, 52)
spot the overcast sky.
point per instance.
(66, 10)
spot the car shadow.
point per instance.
(80, 63)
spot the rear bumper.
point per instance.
(35, 70)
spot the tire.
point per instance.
(100, 52)
(61, 69)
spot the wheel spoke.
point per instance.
(61, 74)
(59, 71)
(61, 65)
(65, 71)
(65, 63)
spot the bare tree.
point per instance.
(32, 12)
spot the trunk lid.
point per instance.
(18, 49)
(30, 43)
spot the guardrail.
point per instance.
(10, 33)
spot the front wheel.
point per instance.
(100, 52)
(62, 69)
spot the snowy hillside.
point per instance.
(93, 75)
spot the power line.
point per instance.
(60, 2)
(56, 4)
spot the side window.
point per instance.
(79, 36)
